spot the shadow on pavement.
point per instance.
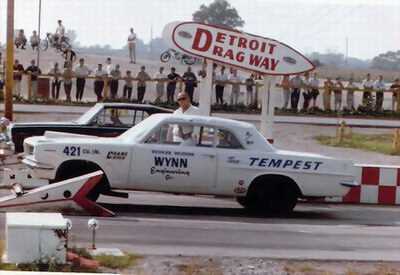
(213, 213)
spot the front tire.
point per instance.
(71, 170)
(165, 57)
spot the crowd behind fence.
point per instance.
(228, 89)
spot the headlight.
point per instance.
(28, 149)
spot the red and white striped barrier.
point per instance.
(378, 185)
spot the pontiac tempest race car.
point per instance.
(103, 119)
(192, 155)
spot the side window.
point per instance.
(227, 140)
(183, 134)
(117, 117)
(138, 116)
(206, 137)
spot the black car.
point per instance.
(103, 119)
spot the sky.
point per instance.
(371, 26)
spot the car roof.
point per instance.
(134, 106)
(209, 120)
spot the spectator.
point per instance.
(295, 83)
(60, 32)
(34, 40)
(337, 92)
(141, 85)
(114, 83)
(314, 83)
(18, 71)
(368, 86)
(307, 91)
(81, 72)
(20, 40)
(161, 78)
(190, 80)
(2, 70)
(109, 66)
(220, 81)
(379, 87)
(250, 82)
(67, 78)
(128, 85)
(235, 92)
(395, 88)
(132, 46)
(173, 77)
(328, 86)
(100, 75)
(55, 73)
(34, 72)
(69, 56)
(351, 87)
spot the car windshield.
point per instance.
(141, 129)
(87, 117)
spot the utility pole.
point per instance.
(39, 27)
(8, 95)
(347, 50)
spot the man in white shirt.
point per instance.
(109, 66)
(81, 72)
(161, 78)
(235, 92)
(181, 133)
(60, 32)
(132, 46)
(220, 80)
(368, 85)
(379, 87)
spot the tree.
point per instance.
(219, 13)
(387, 61)
(72, 35)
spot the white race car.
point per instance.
(192, 155)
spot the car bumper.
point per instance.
(39, 170)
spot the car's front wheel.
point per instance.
(73, 169)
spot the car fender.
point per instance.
(293, 177)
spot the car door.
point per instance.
(163, 164)
(233, 173)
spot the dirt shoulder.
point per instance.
(204, 265)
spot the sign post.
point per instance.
(8, 95)
(206, 89)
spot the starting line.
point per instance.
(67, 196)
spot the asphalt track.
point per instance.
(160, 224)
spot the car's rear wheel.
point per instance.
(72, 169)
(274, 196)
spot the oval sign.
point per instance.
(239, 49)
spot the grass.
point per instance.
(376, 143)
(117, 262)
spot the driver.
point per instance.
(114, 117)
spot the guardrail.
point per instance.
(181, 82)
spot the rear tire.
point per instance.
(276, 198)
